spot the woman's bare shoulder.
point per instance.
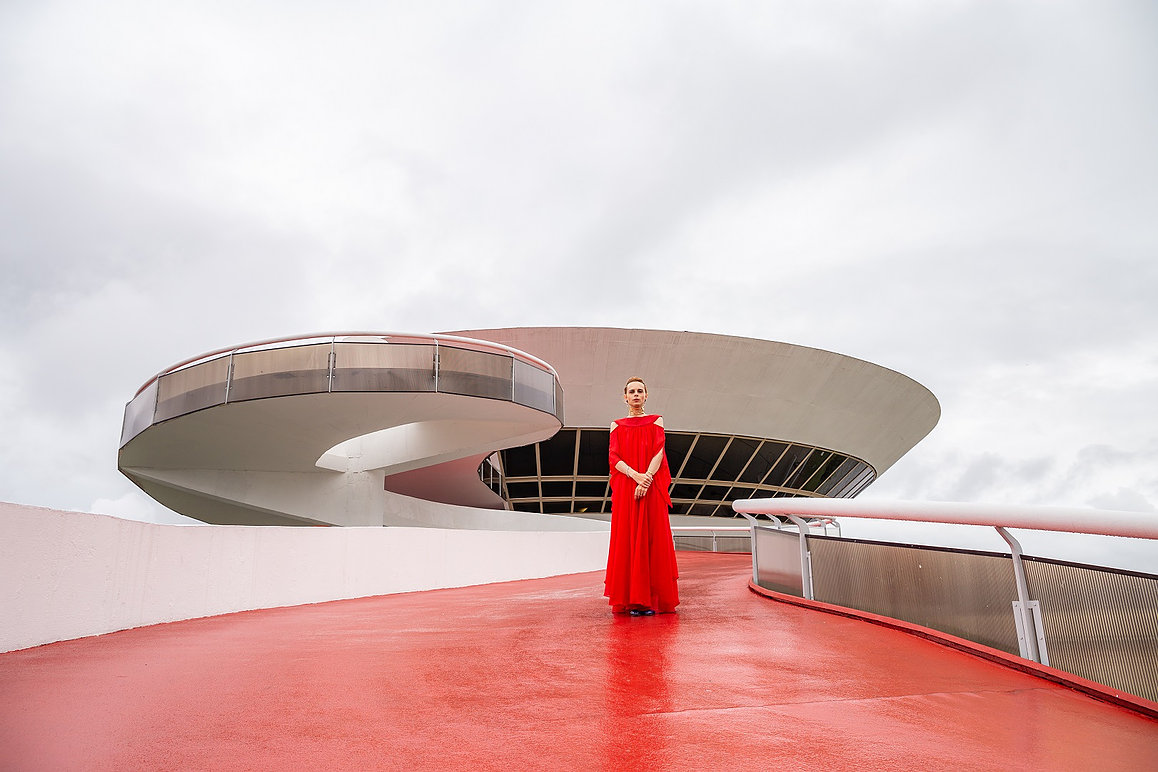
(659, 421)
(613, 425)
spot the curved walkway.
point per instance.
(340, 429)
(538, 675)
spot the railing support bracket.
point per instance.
(1027, 613)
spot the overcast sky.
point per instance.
(965, 192)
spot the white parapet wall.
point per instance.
(67, 575)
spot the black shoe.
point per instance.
(642, 612)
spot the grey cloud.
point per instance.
(962, 192)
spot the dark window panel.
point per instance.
(679, 509)
(703, 510)
(835, 478)
(762, 461)
(520, 462)
(808, 468)
(714, 492)
(683, 491)
(587, 488)
(523, 490)
(585, 507)
(526, 506)
(787, 465)
(735, 458)
(556, 507)
(557, 455)
(703, 456)
(741, 493)
(829, 466)
(850, 485)
(556, 489)
(593, 451)
(860, 486)
(676, 446)
(840, 486)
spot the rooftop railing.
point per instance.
(1095, 622)
(733, 538)
(345, 362)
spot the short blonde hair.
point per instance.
(633, 380)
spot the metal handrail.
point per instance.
(675, 528)
(1104, 522)
(714, 529)
(1031, 638)
(332, 336)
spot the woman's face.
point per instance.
(635, 395)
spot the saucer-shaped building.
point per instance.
(506, 428)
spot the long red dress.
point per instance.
(641, 563)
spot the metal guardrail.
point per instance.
(1096, 622)
(689, 532)
(384, 337)
(333, 362)
(731, 531)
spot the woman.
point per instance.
(641, 564)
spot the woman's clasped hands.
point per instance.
(642, 483)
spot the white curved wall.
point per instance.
(69, 574)
(723, 384)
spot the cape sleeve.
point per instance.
(663, 474)
(613, 456)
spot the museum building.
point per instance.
(501, 428)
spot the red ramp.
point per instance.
(538, 675)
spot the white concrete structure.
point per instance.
(69, 574)
(741, 386)
(338, 430)
(371, 429)
(744, 417)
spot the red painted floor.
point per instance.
(539, 675)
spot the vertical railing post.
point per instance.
(333, 360)
(805, 558)
(1028, 615)
(755, 560)
(229, 378)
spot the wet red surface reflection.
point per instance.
(540, 675)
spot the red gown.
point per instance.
(641, 563)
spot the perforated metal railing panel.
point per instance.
(964, 593)
(718, 544)
(778, 562)
(1100, 623)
